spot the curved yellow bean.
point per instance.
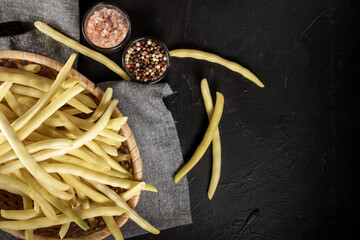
(210, 57)
(133, 191)
(42, 27)
(113, 227)
(105, 100)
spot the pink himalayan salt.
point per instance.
(107, 28)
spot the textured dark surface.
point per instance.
(290, 160)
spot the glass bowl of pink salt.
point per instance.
(106, 27)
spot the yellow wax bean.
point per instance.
(18, 214)
(105, 100)
(132, 192)
(44, 222)
(4, 88)
(113, 227)
(191, 53)
(80, 48)
(63, 230)
(32, 68)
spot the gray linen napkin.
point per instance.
(149, 119)
(62, 15)
(155, 133)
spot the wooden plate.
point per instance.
(49, 68)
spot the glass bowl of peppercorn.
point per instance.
(146, 60)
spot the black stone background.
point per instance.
(290, 155)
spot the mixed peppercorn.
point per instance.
(146, 60)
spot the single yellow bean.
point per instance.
(113, 227)
(4, 88)
(123, 157)
(133, 191)
(64, 229)
(18, 214)
(112, 151)
(7, 111)
(86, 100)
(116, 123)
(210, 57)
(70, 83)
(42, 27)
(29, 233)
(105, 100)
(44, 222)
(32, 68)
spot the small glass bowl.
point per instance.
(98, 7)
(145, 39)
